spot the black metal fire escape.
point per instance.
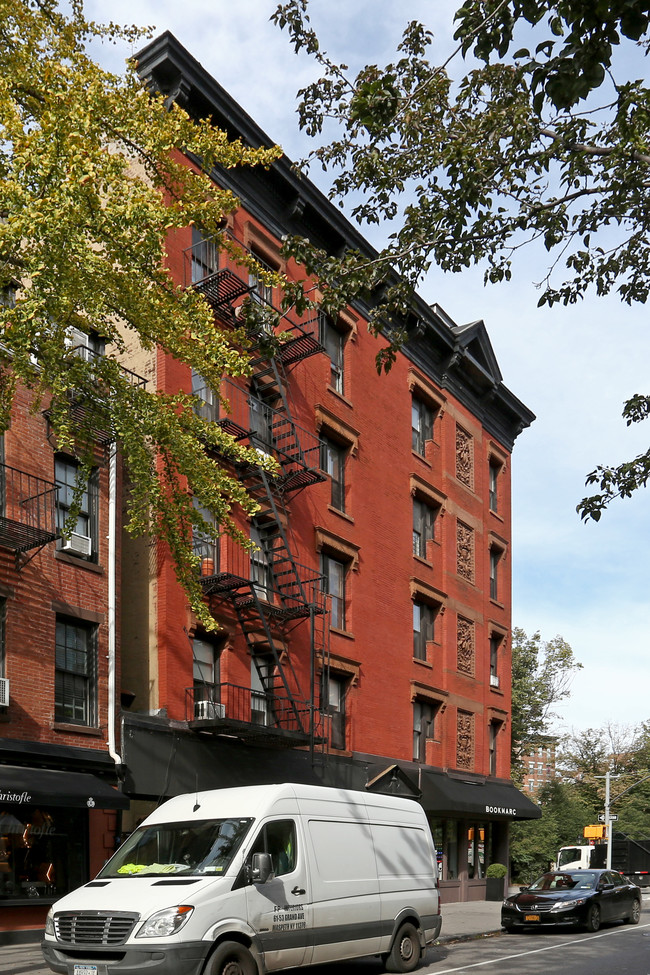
(269, 591)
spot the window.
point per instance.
(208, 406)
(423, 719)
(493, 730)
(83, 540)
(332, 461)
(8, 296)
(43, 853)
(494, 472)
(421, 425)
(423, 521)
(262, 292)
(495, 558)
(423, 621)
(333, 572)
(205, 671)
(333, 341)
(204, 546)
(333, 692)
(495, 643)
(261, 421)
(86, 345)
(261, 573)
(75, 672)
(279, 839)
(261, 699)
(205, 256)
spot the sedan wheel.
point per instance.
(635, 914)
(593, 918)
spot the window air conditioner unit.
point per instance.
(4, 692)
(78, 544)
(207, 710)
(494, 680)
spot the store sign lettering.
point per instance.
(15, 797)
(501, 810)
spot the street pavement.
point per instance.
(459, 921)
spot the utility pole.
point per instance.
(608, 802)
(608, 825)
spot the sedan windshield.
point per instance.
(198, 848)
(576, 880)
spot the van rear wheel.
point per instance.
(405, 953)
(231, 958)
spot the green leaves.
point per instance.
(542, 671)
(95, 188)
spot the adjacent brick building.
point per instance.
(59, 669)
(366, 640)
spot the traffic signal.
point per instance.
(594, 832)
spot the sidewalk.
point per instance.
(469, 920)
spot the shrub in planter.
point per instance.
(496, 870)
(495, 881)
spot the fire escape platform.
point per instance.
(297, 348)
(21, 538)
(251, 732)
(222, 287)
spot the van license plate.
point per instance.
(85, 970)
(528, 917)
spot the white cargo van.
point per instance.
(253, 880)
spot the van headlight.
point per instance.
(163, 923)
(49, 924)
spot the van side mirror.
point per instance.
(261, 868)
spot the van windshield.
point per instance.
(568, 855)
(198, 848)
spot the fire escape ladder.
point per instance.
(279, 682)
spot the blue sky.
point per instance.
(573, 367)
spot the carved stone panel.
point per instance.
(465, 741)
(465, 551)
(465, 646)
(464, 458)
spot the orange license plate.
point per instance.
(531, 917)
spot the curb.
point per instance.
(453, 938)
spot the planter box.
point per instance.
(494, 887)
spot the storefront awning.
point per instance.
(51, 787)
(447, 796)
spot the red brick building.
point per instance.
(59, 670)
(539, 765)
(366, 641)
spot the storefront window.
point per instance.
(42, 852)
(445, 837)
(478, 841)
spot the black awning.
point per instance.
(51, 787)
(444, 795)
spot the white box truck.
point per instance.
(252, 880)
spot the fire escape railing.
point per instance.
(267, 589)
(27, 510)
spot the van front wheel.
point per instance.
(405, 953)
(231, 958)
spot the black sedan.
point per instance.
(578, 898)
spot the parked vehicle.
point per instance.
(578, 898)
(629, 857)
(249, 880)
